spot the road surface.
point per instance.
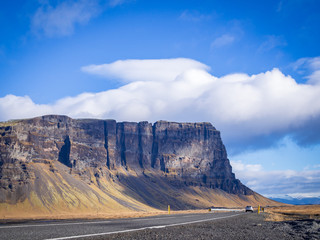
(86, 229)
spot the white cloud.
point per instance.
(60, 19)
(238, 166)
(309, 67)
(280, 6)
(193, 16)
(307, 63)
(223, 40)
(314, 63)
(247, 109)
(15, 107)
(145, 70)
(114, 3)
(271, 42)
(277, 183)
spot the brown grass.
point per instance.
(132, 214)
(60, 194)
(293, 212)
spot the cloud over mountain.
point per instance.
(249, 110)
(152, 70)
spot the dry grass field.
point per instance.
(113, 215)
(293, 212)
(55, 193)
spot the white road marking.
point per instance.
(140, 229)
(53, 224)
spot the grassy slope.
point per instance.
(293, 212)
(59, 194)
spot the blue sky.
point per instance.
(251, 68)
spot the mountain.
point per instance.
(298, 201)
(56, 165)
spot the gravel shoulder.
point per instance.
(246, 226)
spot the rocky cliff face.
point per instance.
(185, 154)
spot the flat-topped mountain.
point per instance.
(56, 164)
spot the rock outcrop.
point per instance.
(100, 151)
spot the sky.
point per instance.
(251, 68)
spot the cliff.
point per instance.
(53, 161)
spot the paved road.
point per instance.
(85, 229)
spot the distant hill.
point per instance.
(59, 166)
(298, 201)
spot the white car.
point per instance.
(249, 209)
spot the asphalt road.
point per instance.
(86, 229)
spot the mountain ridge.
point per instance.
(56, 161)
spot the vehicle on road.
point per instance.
(249, 209)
